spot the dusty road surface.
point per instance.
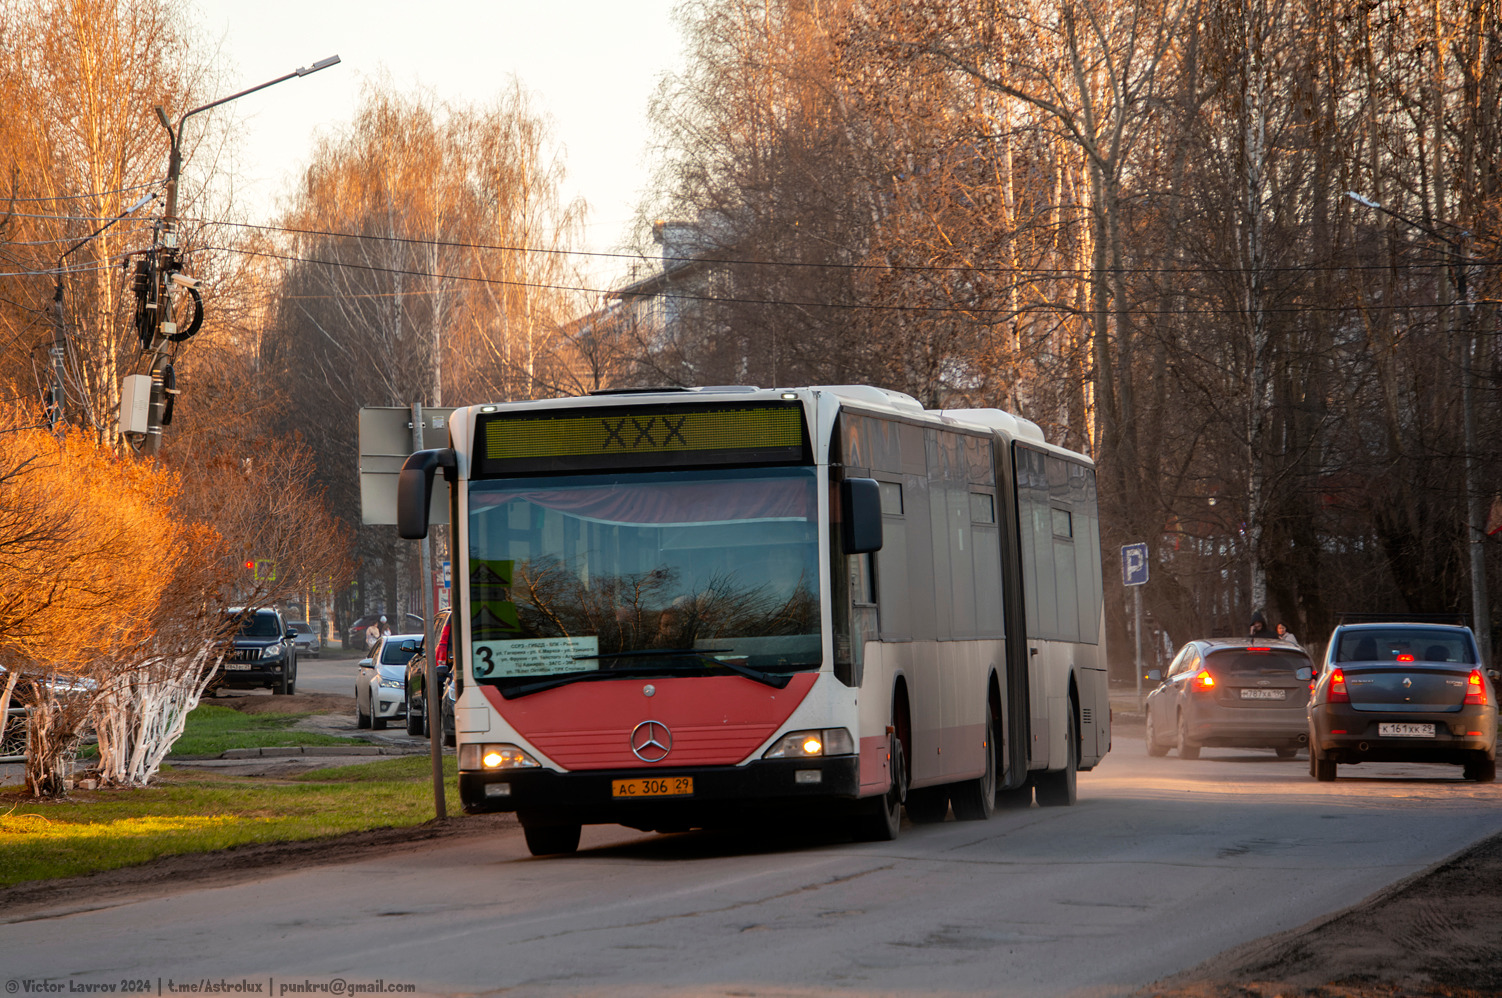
(1162, 865)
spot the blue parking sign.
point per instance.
(1134, 564)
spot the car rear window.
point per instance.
(1261, 660)
(1387, 644)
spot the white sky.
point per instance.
(591, 65)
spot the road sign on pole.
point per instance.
(1134, 574)
(1134, 564)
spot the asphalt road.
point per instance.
(333, 671)
(1162, 864)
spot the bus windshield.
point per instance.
(673, 572)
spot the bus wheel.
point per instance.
(975, 800)
(880, 818)
(551, 839)
(1058, 789)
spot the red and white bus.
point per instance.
(687, 608)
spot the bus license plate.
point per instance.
(669, 786)
(1264, 694)
(1396, 729)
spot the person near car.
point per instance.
(1284, 634)
(1258, 628)
(373, 633)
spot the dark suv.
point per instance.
(261, 653)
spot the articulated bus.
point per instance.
(682, 608)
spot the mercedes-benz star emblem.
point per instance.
(651, 741)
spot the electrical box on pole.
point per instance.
(135, 404)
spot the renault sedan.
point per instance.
(1403, 693)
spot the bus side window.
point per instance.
(862, 580)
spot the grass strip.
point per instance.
(201, 812)
(213, 730)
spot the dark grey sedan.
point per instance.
(1403, 693)
(1230, 694)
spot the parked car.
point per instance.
(307, 641)
(1403, 692)
(261, 653)
(379, 693)
(354, 635)
(447, 711)
(416, 680)
(1231, 694)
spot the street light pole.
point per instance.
(1475, 513)
(157, 347)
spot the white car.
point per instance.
(380, 687)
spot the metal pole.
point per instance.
(1137, 633)
(430, 647)
(1481, 617)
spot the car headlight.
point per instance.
(273, 651)
(811, 744)
(392, 684)
(472, 756)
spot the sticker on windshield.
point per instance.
(534, 657)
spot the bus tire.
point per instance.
(1059, 789)
(975, 800)
(928, 805)
(551, 839)
(880, 818)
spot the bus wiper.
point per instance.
(556, 681)
(776, 681)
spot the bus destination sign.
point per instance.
(640, 437)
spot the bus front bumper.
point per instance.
(720, 793)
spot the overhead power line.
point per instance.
(871, 306)
(81, 197)
(732, 261)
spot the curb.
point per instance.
(285, 752)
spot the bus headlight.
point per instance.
(808, 744)
(473, 756)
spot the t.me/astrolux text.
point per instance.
(207, 986)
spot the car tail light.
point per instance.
(1338, 692)
(1204, 681)
(1475, 691)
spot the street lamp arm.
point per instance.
(1414, 223)
(332, 60)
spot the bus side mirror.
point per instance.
(860, 527)
(414, 490)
